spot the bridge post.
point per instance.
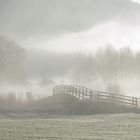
(53, 91)
(98, 96)
(133, 101)
(136, 102)
(83, 93)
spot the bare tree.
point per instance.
(12, 58)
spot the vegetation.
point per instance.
(12, 58)
(60, 104)
(108, 65)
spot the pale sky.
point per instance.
(116, 31)
(71, 26)
(137, 1)
(110, 32)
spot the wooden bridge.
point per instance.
(84, 93)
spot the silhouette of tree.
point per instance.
(12, 58)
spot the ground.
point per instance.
(95, 127)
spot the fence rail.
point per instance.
(84, 93)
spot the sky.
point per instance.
(118, 29)
(137, 1)
(65, 26)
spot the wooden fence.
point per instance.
(84, 93)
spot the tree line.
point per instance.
(108, 64)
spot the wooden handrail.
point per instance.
(84, 93)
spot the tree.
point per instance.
(137, 63)
(84, 70)
(12, 58)
(126, 61)
(107, 62)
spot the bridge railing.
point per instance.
(84, 93)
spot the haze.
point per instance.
(59, 35)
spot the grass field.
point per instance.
(96, 127)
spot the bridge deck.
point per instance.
(84, 93)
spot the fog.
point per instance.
(94, 43)
(34, 17)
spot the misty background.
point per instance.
(94, 43)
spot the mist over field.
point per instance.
(94, 43)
